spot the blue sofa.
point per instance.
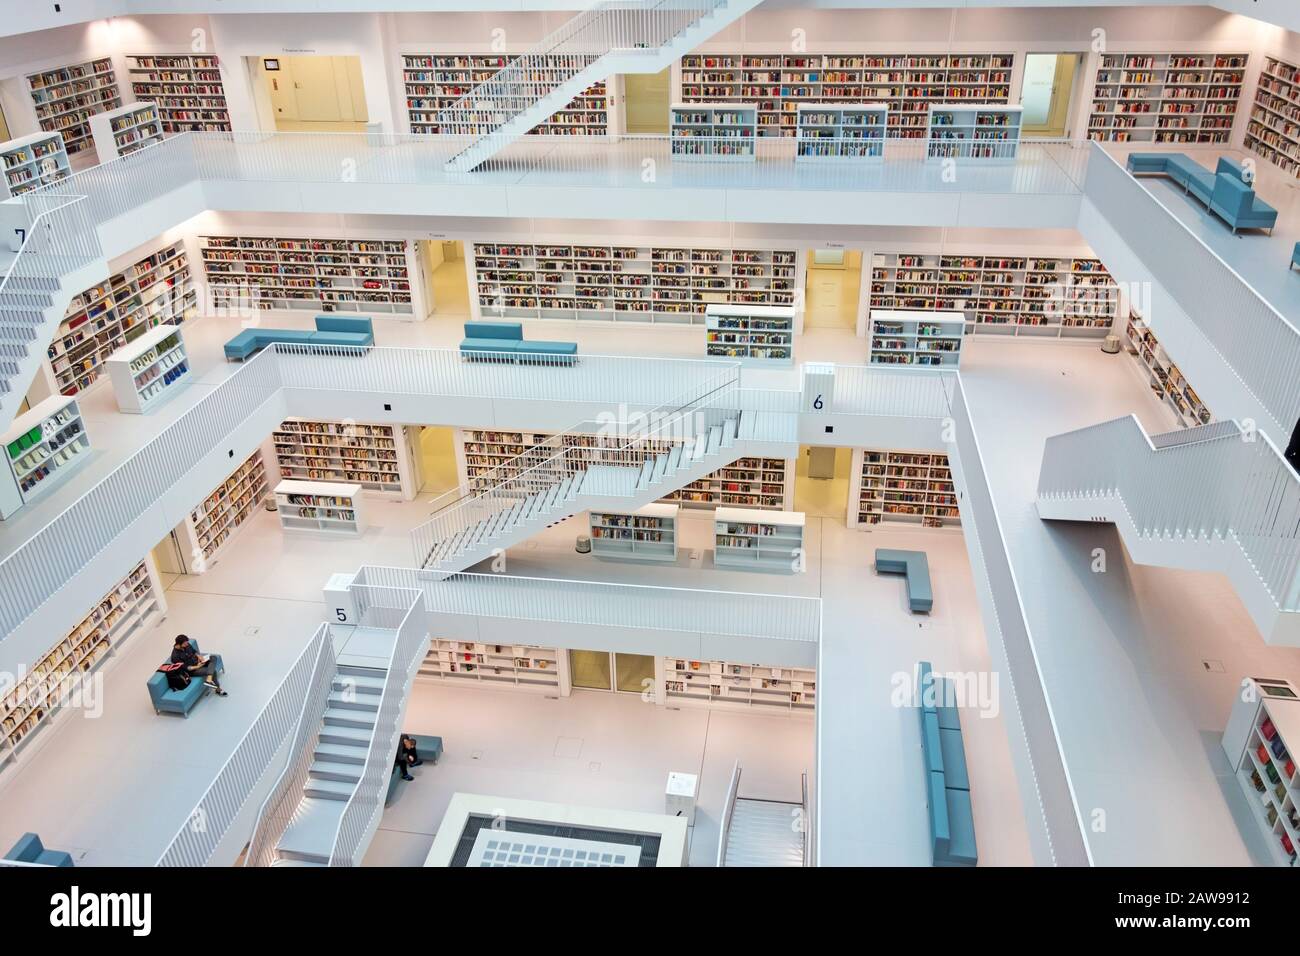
(952, 824)
(1226, 191)
(504, 342)
(330, 330)
(29, 849)
(429, 749)
(915, 567)
(166, 700)
(1295, 256)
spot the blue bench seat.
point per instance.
(429, 748)
(331, 330)
(505, 342)
(29, 849)
(1228, 191)
(916, 568)
(168, 701)
(948, 805)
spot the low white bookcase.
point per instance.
(716, 132)
(1262, 729)
(928, 339)
(982, 132)
(840, 132)
(755, 540)
(126, 129)
(30, 162)
(326, 506)
(646, 534)
(42, 446)
(752, 334)
(149, 370)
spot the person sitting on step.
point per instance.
(407, 756)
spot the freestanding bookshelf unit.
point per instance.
(756, 540)
(32, 161)
(323, 506)
(841, 133)
(539, 670)
(41, 447)
(647, 534)
(1263, 727)
(926, 339)
(736, 685)
(125, 130)
(977, 132)
(149, 370)
(67, 97)
(753, 334)
(717, 132)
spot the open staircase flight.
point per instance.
(1213, 498)
(612, 37)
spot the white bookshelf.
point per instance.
(67, 97)
(1273, 130)
(716, 132)
(1163, 376)
(752, 539)
(135, 604)
(905, 82)
(926, 339)
(370, 276)
(1059, 296)
(32, 161)
(659, 284)
(978, 133)
(125, 130)
(762, 483)
(379, 458)
(437, 81)
(41, 447)
(149, 370)
(540, 670)
(187, 89)
(322, 506)
(895, 486)
(1166, 97)
(647, 534)
(840, 133)
(211, 526)
(731, 684)
(751, 334)
(1263, 727)
(157, 289)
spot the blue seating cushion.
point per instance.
(946, 705)
(1232, 168)
(494, 330)
(955, 776)
(26, 850)
(937, 804)
(490, 345)
(1295, 254)
(960, 847)
(342, 338)
(925, 689)
(359, 324)
(932, 743)
(1147, 162)
(550, 348)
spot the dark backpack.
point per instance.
(178, 678)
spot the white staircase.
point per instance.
(764, 833)
(612, 37)
(1213, 498)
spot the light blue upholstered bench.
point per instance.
(166, 700)
(1227, 191)
(29, 849)
(916, 568)
(505, 342)
(429, 749)
(952, 823)
(1295, 256)
(331, 330)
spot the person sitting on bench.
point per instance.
(183, 652)
(407, 756)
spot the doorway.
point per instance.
(1046, 93)
(448, 285)
(646, 99)
(310, 94)
(611, 671)
(436, 447)
(832, 288)
(4, 126)
(821, 481)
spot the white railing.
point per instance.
(1253, 338)
(210, 820)
(279, 806)
(806, 823)
(1210, 483)
(894, 392)
(402, 607)
(728, 810)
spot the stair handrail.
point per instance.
(807, 822)
(282, 799)
(728, 809)
(366, 801)
(539, 476)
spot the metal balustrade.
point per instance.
(278, 807)
(1211, 483)
(1251, 336)
(210, 820)
(897, 392)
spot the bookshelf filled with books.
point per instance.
(67, 97)
(627, 283)
(187, 89)
(379, 458)
(912, 487)
(716, 132)
(647, 534)
(1163, 376)
(125, 130)
(539, 670)
(977, 133)
(149, 370)
(840, 132)
(736, 685)
(1273, 130)
(906, 83)
(926, 339)
(325, 507)
(1061, 296)
(437, 81)
(42, 446)
(30, 162)
(1166, 97)
(210, 526)
(752, 334)
(134, 605)
(751, 539)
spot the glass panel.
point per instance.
(590, 669)
(1039, 83)
(636, 672)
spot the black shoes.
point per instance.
(219, 691)
(417, 763)
(407, 776)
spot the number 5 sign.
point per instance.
(818, 387)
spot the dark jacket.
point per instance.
(186, 655)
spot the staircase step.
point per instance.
(340, 717)
(338, 772)
(290, 861)
(310, 834)
(342, 753)
(362, 703)
(729, 432)
(328, 789)
(643, 478)
(674, 458)
(360, 670)
(715, 440)
(358, 684)
(660, 466)
(698, 446)
(345, 735)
